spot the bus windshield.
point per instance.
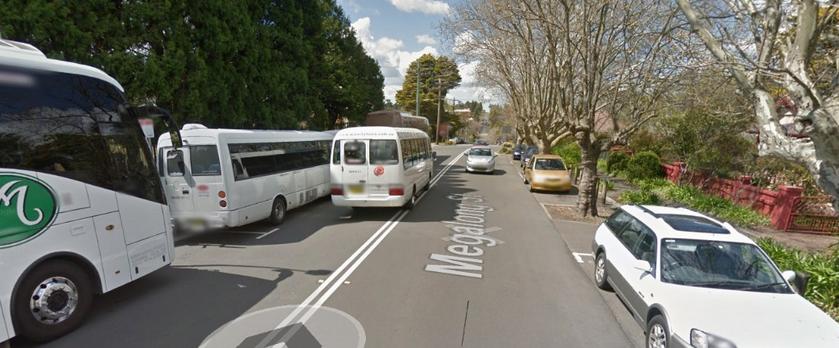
(384, 152)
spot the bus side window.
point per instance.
(173, 158)
(406, 153)
(336, 152)
(238, 170)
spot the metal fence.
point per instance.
(814, 214)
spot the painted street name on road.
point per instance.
(469, 227)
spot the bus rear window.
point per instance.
(384, 152)
(204, 160)
(355, 152)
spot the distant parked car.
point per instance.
(547, 173)
(529, 152)
(481, 142)
(518, 150)
(480, 159)
(692, 281)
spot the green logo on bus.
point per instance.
(27, 207)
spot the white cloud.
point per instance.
(426, 39)
(394, 61)
(424, 6)
(390, 55)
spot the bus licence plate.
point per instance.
(357, 188)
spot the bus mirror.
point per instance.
(155, 112)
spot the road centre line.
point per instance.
(263, 235)
(364, 251)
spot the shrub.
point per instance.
(602, 166)
(644, 165)
(616, 162)
(823, 287)
(570, 153)
(639, 197)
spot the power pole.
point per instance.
(439, 106)
(418, 84)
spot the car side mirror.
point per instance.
(643, 265)
(798, 280)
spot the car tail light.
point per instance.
(222, 194)
(222, 204)
(337, 190)
(396, 191)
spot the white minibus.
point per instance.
(236, 177)
(380, 166)
(82, 210)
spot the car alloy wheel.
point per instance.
(657, 337)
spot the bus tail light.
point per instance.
(337, 190)
(222, 204)
(396, 191)
(222, 194)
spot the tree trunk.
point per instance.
(587, 195)
(545, 145)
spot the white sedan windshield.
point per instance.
(719, 265)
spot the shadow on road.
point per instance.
(175, 307)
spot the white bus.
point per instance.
(380, 166)
(82, 211)
(236, 177)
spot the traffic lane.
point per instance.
(578, 236)
(220, 275)
(530, 291)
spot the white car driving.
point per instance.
(480, 159)
(692, 281)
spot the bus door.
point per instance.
(354, 167)
(178, 190)
(384, 169)
(205, 169)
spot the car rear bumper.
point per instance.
(388, 201)
(552, 186)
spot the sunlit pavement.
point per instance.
(410, 278)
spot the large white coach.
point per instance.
(236, 177)
(380, 166)
(82, 211)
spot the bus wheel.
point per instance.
(52, 300)
(411, 202)
(277, 211)
(427, 184)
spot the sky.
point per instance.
(396, 32)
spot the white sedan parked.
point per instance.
(692, 281)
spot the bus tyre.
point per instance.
(413, 200)
(427, 184)
(278, 210)
(52, 300)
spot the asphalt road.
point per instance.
(401, 275)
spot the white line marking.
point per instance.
(375, 239)
(267, 233)
(579, 256)
(545, 209)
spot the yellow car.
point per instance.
(547, 173)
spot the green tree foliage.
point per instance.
(643, 165)
(242, 64)
(436, 74)
(569, 151)
(616, 162)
